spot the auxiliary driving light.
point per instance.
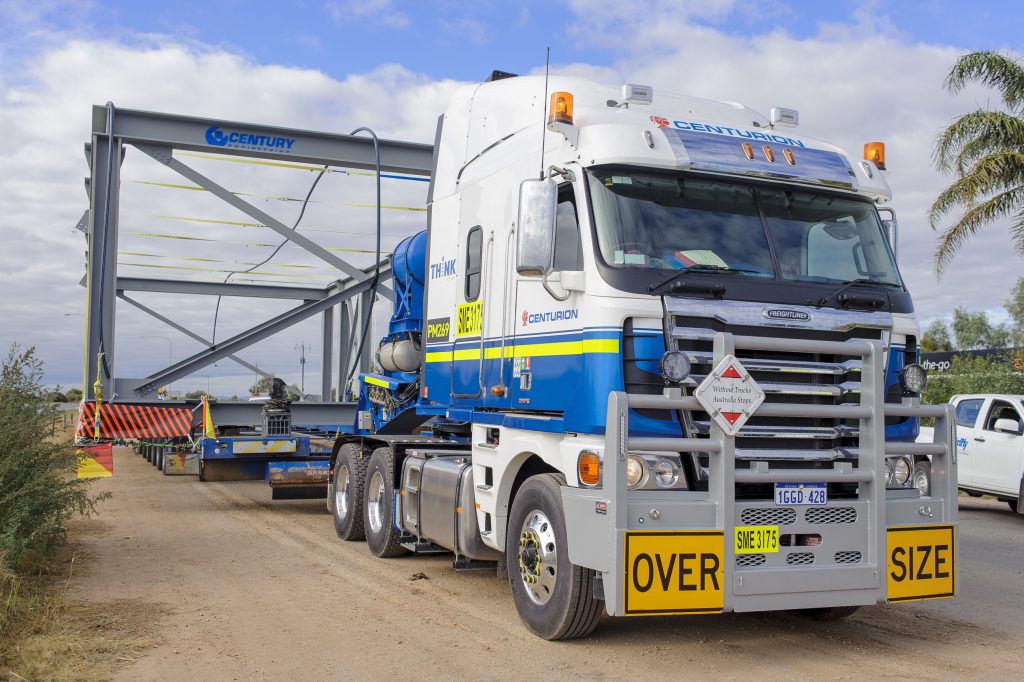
(914, 377)
(665, 473)
(674, 366)
(898, 471)
(635, 470)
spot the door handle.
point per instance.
(979, 439)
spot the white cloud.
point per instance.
(374, 12)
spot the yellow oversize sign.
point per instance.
(921, 563)
(673, 572)
(470, 319)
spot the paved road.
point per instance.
(263, 590)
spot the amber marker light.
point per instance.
(561, 108)
(769, 153)
(748, 151)
(589, 466)
(790, 158)
(875, 153)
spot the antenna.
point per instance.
(544, 108)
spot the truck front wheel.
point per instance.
(346, 492)
(923, 477)
(379, 505)
(554, 598)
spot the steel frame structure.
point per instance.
(158, 135)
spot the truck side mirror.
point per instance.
(892, 230)
(1008, 426)
(538, 200)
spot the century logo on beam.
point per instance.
(235, 139)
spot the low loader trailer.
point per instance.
(652, 356)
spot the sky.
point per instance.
(857, 71)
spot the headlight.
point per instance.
(898, 471)
(675, 366)
(635, 470)
(665, 473)
(914, 377)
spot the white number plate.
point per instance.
(812, 494)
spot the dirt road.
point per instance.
(263, 590)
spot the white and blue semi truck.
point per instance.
(593, 256)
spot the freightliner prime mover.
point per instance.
(593, 256)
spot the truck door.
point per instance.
(996, 453)
(967, 412)
(546, 370)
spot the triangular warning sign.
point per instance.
(731, 373)
(731, 417)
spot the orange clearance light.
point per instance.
(875, 152)
(589, 465)
(790, 158)
(748, 151)
(561, 108)
(769, 153)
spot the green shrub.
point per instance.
(39, 488)
(974, 375)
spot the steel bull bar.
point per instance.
(662, 552)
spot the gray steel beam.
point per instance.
(344, 351)
(164, 156)
(253, 335)
(231, 413)
(192, 335)
(169, 286)
(326, 353)
(105, 167)
(202, 135)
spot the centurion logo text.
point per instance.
(663, 122)
(550, 316)
(249, 141)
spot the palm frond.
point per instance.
(992, 69)
(973, 135)
(976, 217)
(998, 172)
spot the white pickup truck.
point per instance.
(990, 448)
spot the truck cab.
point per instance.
(595, 255)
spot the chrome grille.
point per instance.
(749, 560)
(849, 557)
(830, 515)
(799, 558)
(779, 516)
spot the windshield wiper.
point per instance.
(862, 281)
(699, 267)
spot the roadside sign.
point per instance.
(729, 395)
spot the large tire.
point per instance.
(829, 614)
(345, 493)
(923, 477)
(554, 598)
(379, 507)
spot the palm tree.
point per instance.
(985, 149)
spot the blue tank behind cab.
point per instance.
(390, 395)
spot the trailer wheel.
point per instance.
(828, 614)
(923, 477)
(346, 492)
(379, 505)
(554, 598)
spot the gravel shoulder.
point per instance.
(260, 589)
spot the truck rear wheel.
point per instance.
(554, 598)
(346, 492)
(379, 505)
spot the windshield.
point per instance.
(672, 222)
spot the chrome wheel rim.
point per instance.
(375, 502)
(538, 557)
(341, 492)
(921, 482)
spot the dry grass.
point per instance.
(45, 636)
